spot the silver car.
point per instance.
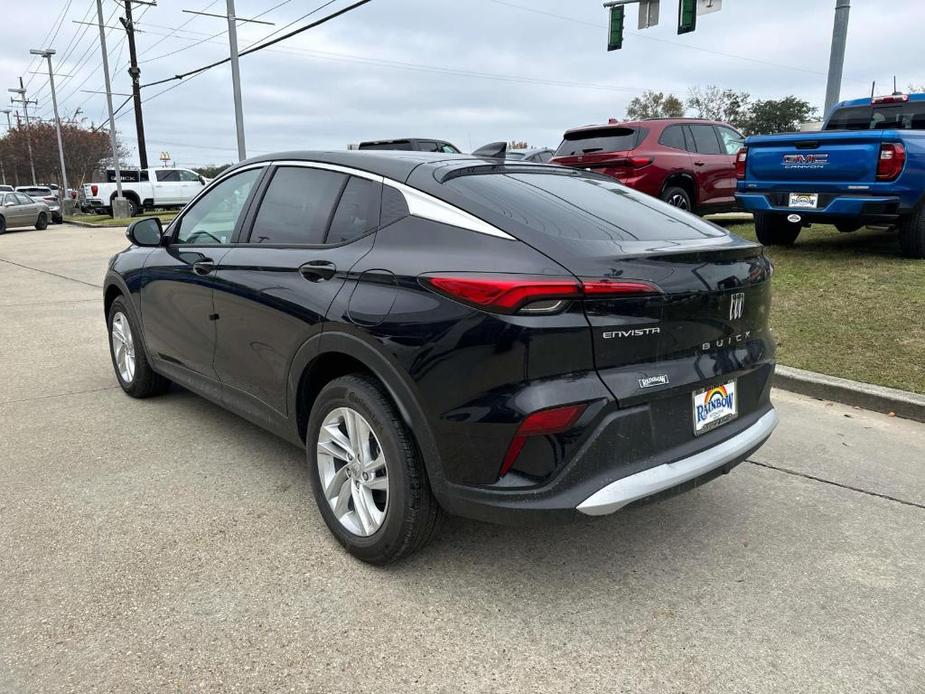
(47, 195)
(19, 210)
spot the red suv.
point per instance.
(687, 162)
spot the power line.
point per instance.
(267, 44)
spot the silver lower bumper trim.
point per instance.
(618, 494)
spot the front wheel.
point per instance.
(129, 360)
(776, 230)
(367, 476)
(42, 222)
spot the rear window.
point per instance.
(35, 192)
(404, 145)
(909, 116)
(576, 206)
(594, 140)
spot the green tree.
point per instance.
(212, 170)
(714, 103)
(651, 104)
(777, 116)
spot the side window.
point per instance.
(188, 176)
(731, 140)
(10, 199)
(297, 206)
(673, 136)
(447, 148)
(143, 175)
(168, 175)
(357, 212)
(212, 219)
(544, 156)
(25, 199)
(705, 139)
(428, 146)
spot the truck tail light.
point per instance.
(94, 189)
(891, 162)
(528, 294)
(541, 423)
(741, 158)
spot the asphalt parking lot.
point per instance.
(169, 545)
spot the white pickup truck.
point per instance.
(144, 189)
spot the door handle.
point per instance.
(204, 266)
(318, 270)
(699, 163)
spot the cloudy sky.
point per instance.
(469, 71)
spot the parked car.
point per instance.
(412, 144)
(145, 189)
(46, 195)
(687, 162)
(540, 155)
(19, 210)
(5, 188)
(867, 166)
(507, 342)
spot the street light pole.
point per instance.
(112, 118)
(25, 109)
(837, 57)
(47, 53)
(236, 80)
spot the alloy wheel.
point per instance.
(353, 471)
(678, 200)
(123, 347)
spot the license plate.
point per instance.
(714, 406)
(804, 199)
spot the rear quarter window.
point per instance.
(579, 207)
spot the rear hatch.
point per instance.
(705, 325)
(829, 157)
(600, 147)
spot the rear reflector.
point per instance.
(541, 423)
(741, 158)
(532, 294)
(892, 160)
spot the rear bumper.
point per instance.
(835, 208)
(658, 479)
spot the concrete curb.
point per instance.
(870, 397)
(88, 225)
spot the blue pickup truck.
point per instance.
(866, 167)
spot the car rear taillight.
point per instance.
(892, 160)
(50, 198)
(94, 189)
(541, 423)
(741, 158)
(528, 294)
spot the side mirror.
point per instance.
(145, 232)
(202, 179)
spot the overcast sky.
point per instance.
(468, 71)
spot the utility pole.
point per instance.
(837, 58)
(9, 121)
(120, 201)
(135, 73)
(47, 53)
(25, 109)
(235, 72)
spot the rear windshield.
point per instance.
(577, 206)
(909, 116)
(599, 140)
(35, 191)
(404, 145)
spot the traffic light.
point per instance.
(687, 16)
(617, 16)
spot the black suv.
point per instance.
(509, 342)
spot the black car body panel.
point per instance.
(260, 328)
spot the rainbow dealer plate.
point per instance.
(714, 407)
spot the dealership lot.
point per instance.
(170, 544)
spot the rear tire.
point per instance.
(912, 234)
(410, 510)
(775, 230)
(130, 363)
(2, 225)
(42, 222)
(676, 196)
